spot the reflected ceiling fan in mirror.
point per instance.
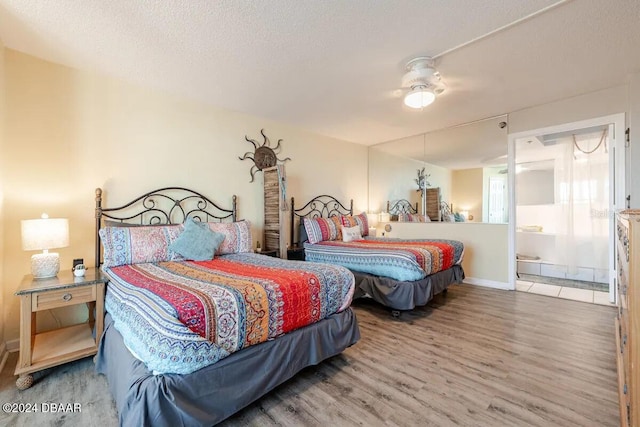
(424, 82)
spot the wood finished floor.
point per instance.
(475, 357)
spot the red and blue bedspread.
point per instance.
(400, 259)
(178, 317)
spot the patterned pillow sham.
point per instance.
(135, 245)
(237, 237)
(320, 229)
(359, 220)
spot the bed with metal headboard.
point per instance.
(402, 206)
(173, 351)
(164, 206)
(323, 206)
(400, 210)
(398, 273)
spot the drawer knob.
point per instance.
(67, 297)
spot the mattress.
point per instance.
(178, 317)
(399, 259)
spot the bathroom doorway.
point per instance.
(498, 199)
(567, 183)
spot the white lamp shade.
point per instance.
(419, 97)
(45, 233)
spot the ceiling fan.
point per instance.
(424, 81)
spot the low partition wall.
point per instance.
(485, 259)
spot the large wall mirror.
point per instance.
(466, 163)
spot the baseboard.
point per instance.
(13, 345)
(487, 283)
(4, 355)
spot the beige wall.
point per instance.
(2, 157)
(485, 247)
(68, 132)
(466, 191)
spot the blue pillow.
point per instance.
(197, 242)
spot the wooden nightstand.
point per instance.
(58, 346)
(295, 253)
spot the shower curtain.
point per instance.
(582, 201)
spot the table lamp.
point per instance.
(44, 234)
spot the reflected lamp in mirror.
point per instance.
(44, 234)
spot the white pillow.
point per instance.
(350, 234)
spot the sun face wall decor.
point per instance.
(263, 155)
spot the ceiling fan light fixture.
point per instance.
(424, 80)
(419, 97)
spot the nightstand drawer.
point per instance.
(63, 297)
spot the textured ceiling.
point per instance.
(334, 66)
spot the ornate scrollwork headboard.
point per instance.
(402, 206)
(169, 205)
(445, 210)
(323, 206)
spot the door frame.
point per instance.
(617, 175)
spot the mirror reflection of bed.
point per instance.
(397, 273)
(400, 210)
(475, 188)
(403, 211)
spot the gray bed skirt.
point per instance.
(213, 393)
(406, 295)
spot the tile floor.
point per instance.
(584, 295)
(594, 286)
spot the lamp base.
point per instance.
(45, 265)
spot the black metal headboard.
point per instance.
(445, 209)
(323, 206)
(169, 205)
(402, 206)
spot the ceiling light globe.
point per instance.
(419, 97)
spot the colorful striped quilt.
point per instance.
(178, 317)
(400, 259)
